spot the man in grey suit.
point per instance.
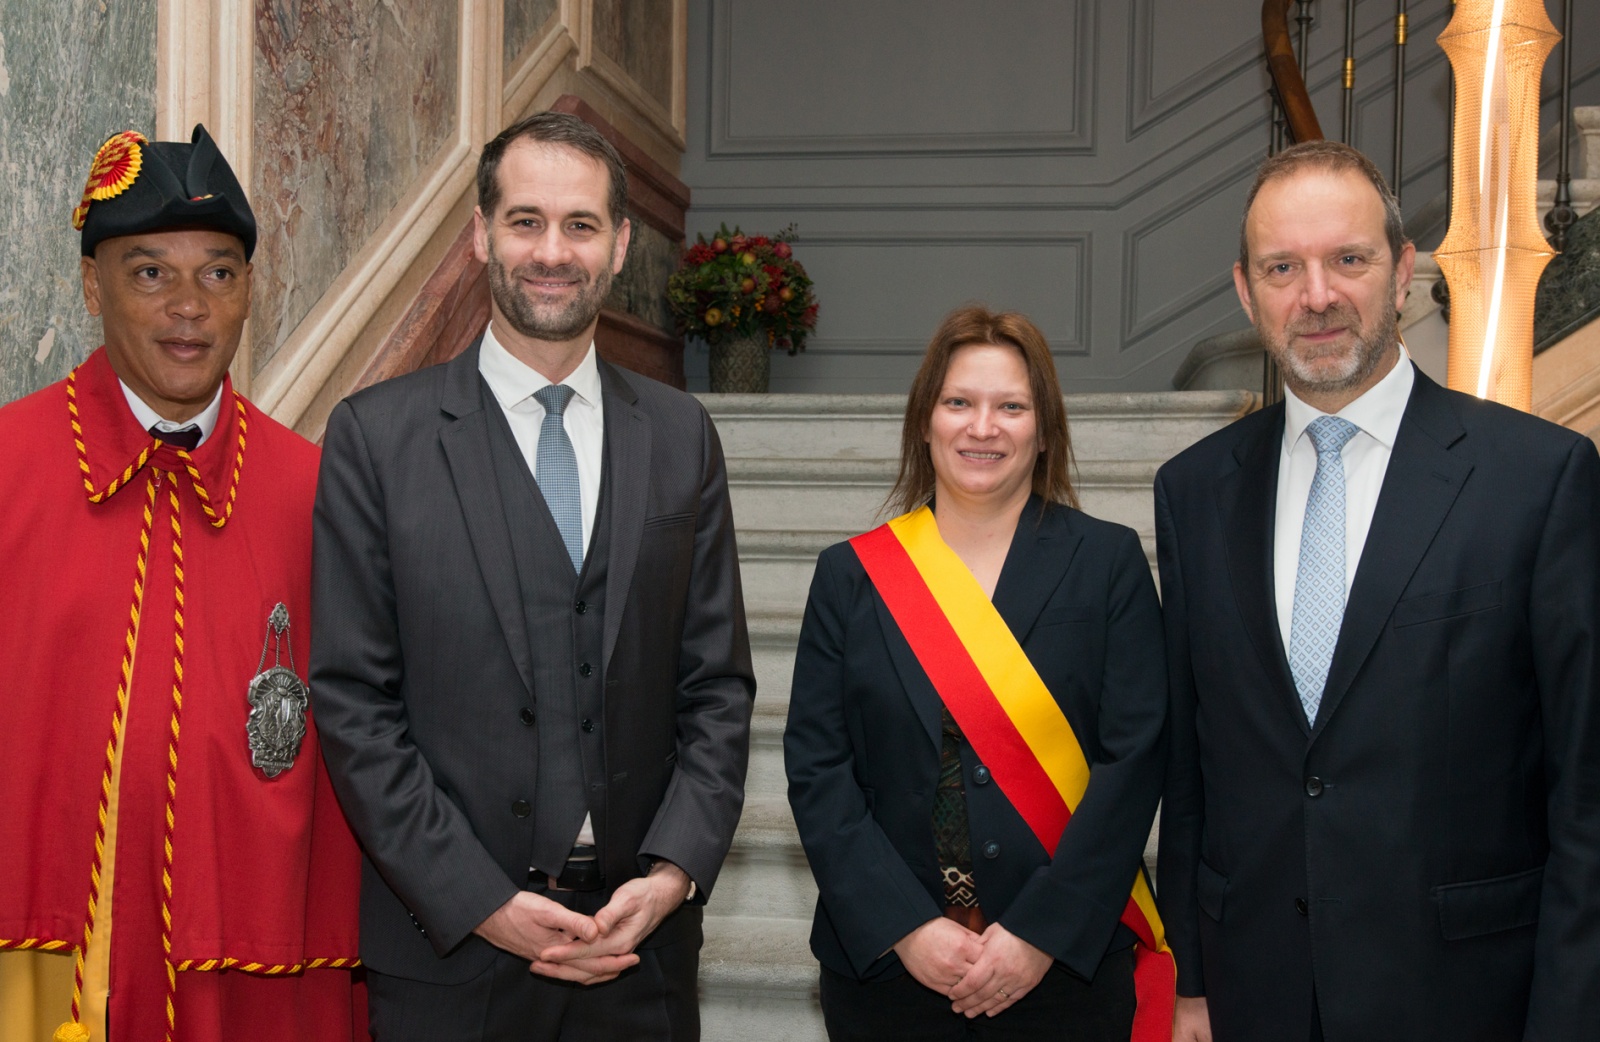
(531, 668)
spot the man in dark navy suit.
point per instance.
(1382, 603)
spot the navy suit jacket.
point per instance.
(1427, 854)
(863, 740)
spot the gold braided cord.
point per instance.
(124, 683)
(217, 520)
(172, 751)
(83, 451)
(266, 969)
(34, 943)
(233, 486)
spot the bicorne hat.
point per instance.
(136, 185)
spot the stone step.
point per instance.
(766, 873)
(766, 777)
(773, 634)
(867, 426)
(758, 980)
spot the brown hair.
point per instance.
(1332, 157)
(975, 324)
(553, 128)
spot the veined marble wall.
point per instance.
(640, 288)
(523, 21)
(352, 99)
(72, 73)
(637, 35)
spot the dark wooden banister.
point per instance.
(1287, 82)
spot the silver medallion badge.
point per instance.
(278, 702)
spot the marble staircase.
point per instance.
(806, 471)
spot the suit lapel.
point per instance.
(1041, 552)
(465, 441)
(925, 701)
(627, 483)
(1419, 487)
(1248, 498)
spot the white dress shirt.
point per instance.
(1366, 459)
(513, 384)
(148, 417)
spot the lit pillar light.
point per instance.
(1494, 252)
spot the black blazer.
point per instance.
(862, 751)
(1428, 854)
(422, 664)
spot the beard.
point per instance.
(1339, 366)
(552, 322)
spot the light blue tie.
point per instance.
(1319, 582)
(556, 470)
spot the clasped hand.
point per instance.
(979, 973)
(567, 945)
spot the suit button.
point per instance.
(585, 669)
(580, 607)
(587, 725)
(527, 716)
(980, 774)
(991, 850)
(1301, 906)
(521, 808)
(1313, 787)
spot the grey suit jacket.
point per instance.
(422, 668)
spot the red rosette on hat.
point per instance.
(115, 167)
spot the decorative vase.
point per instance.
(741, 365)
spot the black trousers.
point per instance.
(1061, 1007)
(655, 1001)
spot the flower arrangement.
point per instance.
(738, 285)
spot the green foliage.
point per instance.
(735, 285)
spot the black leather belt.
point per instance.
(581, 873)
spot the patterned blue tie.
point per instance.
(556, 470)
(1319, 582)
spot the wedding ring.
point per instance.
(1003, 993)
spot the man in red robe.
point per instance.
(173, 864)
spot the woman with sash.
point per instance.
(976, 729)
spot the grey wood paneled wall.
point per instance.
(1081, 161)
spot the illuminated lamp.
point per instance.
(1494, 252)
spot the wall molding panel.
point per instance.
(1135, 127)
(729, 139)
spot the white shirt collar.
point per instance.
(512, 381)
(1377, 412)
(148, 417)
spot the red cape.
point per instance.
(265, 873)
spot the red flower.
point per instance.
(699, 253)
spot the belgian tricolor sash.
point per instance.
(1006, 712)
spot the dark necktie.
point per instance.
(185, 438)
